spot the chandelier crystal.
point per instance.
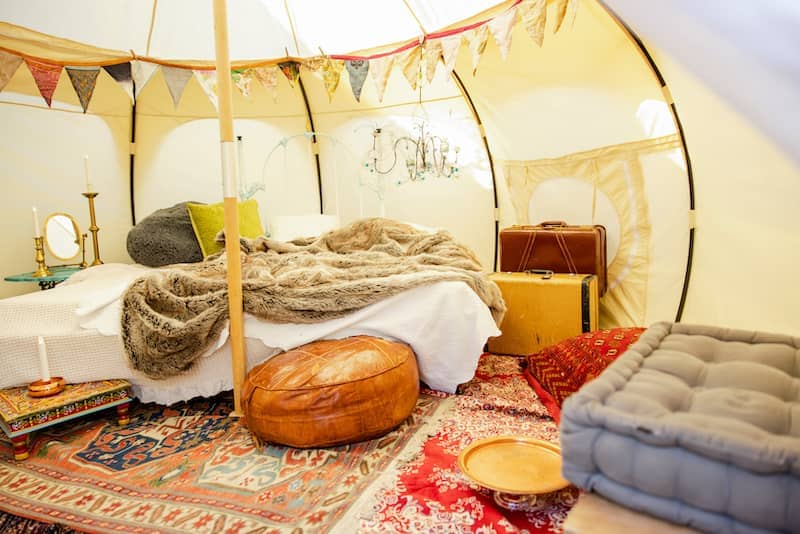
(425, 155)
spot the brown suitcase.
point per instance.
(556, 246)
(543, 309)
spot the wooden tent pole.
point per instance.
(230, 200)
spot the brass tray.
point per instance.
(515, 465)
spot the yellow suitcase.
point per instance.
(543, 309)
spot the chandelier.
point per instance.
(426, 155)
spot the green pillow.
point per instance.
(209, 219)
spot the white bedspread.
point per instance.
(445, 324)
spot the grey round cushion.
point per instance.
(165, 236)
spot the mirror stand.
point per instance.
(83, 263)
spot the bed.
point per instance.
(444, 321)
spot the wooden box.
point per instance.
(543, 309)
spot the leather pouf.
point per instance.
(331, 392)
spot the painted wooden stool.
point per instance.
(21, 414)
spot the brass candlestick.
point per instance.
(41, 267)
(93, 228)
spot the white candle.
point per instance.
(37, 232)
(86, 171)
(44, 366)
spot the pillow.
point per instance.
(164, 237)
(209, 219)
(289, 227)
(561, 369)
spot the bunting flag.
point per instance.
(432, 53)
(565, 12)
(534, 16)
(501, 27)
(9, 63)
(121, 72)
(242, 79)
(83, 81)
(381, 68)
(142, 72)
(315, 63)
(208, 81)
(331, 74)
(477, 44)
(268, 77)
(46, 78)
(450, 47)
(410, 62)
(357, 70)
(176, 80)
(291, 70)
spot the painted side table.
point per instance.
(21, 414)
(57, 275)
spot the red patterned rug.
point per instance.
(189, 467)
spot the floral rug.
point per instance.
(191, 468)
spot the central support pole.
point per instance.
(230, 202)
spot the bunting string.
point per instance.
(417, 61)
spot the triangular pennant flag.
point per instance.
(208, 81)
(450, 47)
(141, 71)
(176, 80)
(291, 70)
(565, 12)
(9, 63)
(432, 53)
(46, 78)
(477, 44)
(315, 63)
(409, 62)
(381, 68)
(501, 26)
(534, 17)
(241, 79)
(331, 74)
(83, 81)
(268, 77)
(121, 72)
(357, 69)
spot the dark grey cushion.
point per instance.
(166, 236)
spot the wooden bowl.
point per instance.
(523, 473)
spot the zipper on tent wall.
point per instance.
(315, 147)
(679, 125)
(482, 131)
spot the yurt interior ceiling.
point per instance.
(673, 124)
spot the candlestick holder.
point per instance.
(46, 388)
(93, 228)
(41, 267)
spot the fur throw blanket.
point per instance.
(171, 316)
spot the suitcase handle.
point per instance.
(546, 273)
(553, 223)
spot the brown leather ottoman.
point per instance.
(331, 392)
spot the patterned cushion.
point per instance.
(561, 369)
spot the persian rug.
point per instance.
(191, 468)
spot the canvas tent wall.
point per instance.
(586, 96)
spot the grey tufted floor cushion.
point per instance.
(696, 425)
(164, 237)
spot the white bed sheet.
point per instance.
(446, 325)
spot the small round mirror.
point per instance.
(61, 234)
